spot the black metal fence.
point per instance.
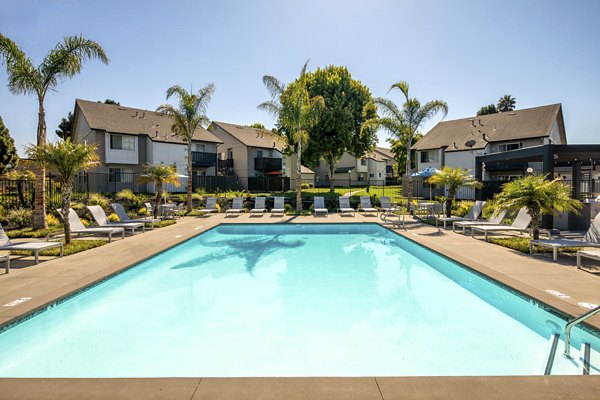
(21, 193)
(269, 184)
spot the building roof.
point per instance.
(475, 132)
(382, 154)
(253, 137)
(306, 170)
(135, 121)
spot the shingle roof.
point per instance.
(306, 170)
(513, 125)
(135, 121)
(253, 137)
(382, 154)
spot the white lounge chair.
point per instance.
(6, 259)
(149, 210)
(345, 206)
(495, 219)
(79, 229)
(210, 207)
(591, 239)
(34, 247)
(236, 207)
(520, 224)
(278, 205)
(102, 220)
(386, 204)
(259, 206)
(319, 206)
(473, 214)
(593, 254)
(366, 207)
(122, 214)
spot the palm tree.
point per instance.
(296, 112)
(506, 103)
(66, 159)
(453, 178)
(404, 123)
(540, 196)
(188, 116)
(159, 175)
(64, 61)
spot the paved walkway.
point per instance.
(533, 275)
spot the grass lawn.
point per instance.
(76, 246)
(522, 244)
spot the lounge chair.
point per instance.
(473, 214)
(34, 247)
(520, 224)
(6, 259)
(149, 210)
(259, 206)
(79, 229)
(236, 207)
(345, 206)
(593, 254)
(120, 211)
(102, 221)
(211, 207)
(319, 206)
(366, 207)
(278, 206)
(386, 204)
(591, 239)
(495, 219)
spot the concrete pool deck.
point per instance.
(533, 275)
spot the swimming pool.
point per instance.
(290, 300)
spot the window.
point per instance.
(380, 174)
(429, 156)
(507, 178)
(363, 161)
(199, 147)
(510, 146)
(115, 175)
(371, 175)
(122, 142)
(259, 154)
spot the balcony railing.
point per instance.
(225, 164)
(203, 159)
(268, 164)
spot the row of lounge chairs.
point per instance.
(104, 228)
(279, 206)
(521, 223)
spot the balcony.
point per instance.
(202, 159)
(506, 166)
(267, 164)
(225, 164)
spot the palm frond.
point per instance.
(271, 107)
(401, 86)
(23, 77)
(274, 86)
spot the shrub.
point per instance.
(287, 207)
(51, 220)
(30, 233)
(113, 217)
(96, 199)
(20, 217)
(129, 198)
(522, 244)
(305, 186)
(200, 191)
(461, 208)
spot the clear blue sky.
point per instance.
(467, 53)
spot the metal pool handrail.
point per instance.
(571, 324)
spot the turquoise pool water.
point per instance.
(288, 300)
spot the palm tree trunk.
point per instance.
(39, 207)
(159, 190)
(449, 201)
(189, 173)
(66, 192)
(535, 223)
(407, 179)
(331, 174)
(299, 175)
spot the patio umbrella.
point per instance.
(427, 173)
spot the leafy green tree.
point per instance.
(257, 125)
(486, 110)
(453, 179)
(8, 152)
(66, 159)
(540, 196)
(398, 149)
(343, 125)
(296, 112)
(111, 101)
(506, 103)
(64, 61)
(159, 175)
(188, 116)
(404, 123)
(65, 127)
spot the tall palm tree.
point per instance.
(66, 159)
(404, 123)
(540, 196)
(296, 112)
(188, 116)
(64, 61)
(159, 175)
(453, 179)
(506, 103)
